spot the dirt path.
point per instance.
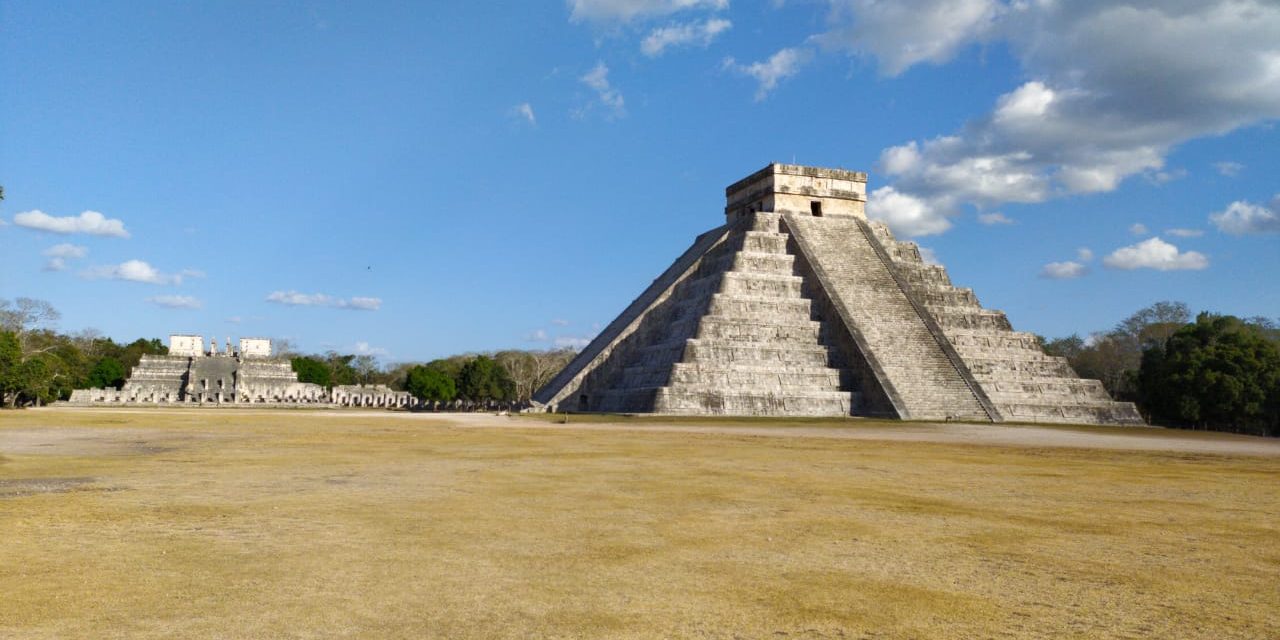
(1112, 438)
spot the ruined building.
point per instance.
(193, 375)
(800, 306)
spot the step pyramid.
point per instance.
(799, 306)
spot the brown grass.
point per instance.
(296, 524)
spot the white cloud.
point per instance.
(1155, 253)
(1185, 233)
(929, 256)
(1138, 229)
(906, 214)
(571, 341)
(364, 349)
(1063, 270)
(560, 322)
(176, 302)
(903, 33)
(1228, 168)
(134, 271)
(88, 222)
(1084, 254)
(58, 255)
(598, 79)
(296, 299)
(524, 110)
(1092, 112)
(538, 335)
(768, 73)
(994, 217)
(66, 250)
(1165, 177)
(689, 33)
(622, 11)
(1245, 218)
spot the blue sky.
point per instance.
(419, 179)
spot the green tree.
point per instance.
(108, 372)
(10, 363)
(431, 382)
(1218, 373)
(312, 370)
(483, 379)
(341, 369)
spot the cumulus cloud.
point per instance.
(1112, 87)
(66, 250)
(683, 34)
(524, 110)
(1245, 218)
(903, 33)
(89, 222)
(176, 302)
(623, 11)
(905, 214)
(608, 96)
(929, 256)
(994, 217)
(58, 255)
(296, 299)
(1084, 254)
(1138, 229)
(768, 73)
(574, 342)
(1063, 270)
(136, 271)
(362, 348)
(1228, 168)
(1185, 233)
(538, 335)
(1157, 254)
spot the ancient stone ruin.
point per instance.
(800, 306)
(194, 376)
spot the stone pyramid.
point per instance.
(798, 306)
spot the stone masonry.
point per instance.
(799, 306)
(194, 376)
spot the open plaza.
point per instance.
(156, 523)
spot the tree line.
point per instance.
(1213, 371)
(39, 365)
(510, 376)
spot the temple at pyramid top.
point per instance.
(793, 188)
(800, 306)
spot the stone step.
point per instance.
(757, 307)
(1019, 368)
(755, 262)
(724, 351)
(1099, 413)
(980, 338)
(968, 318)
(950, 297)
(764, 242)
(694, 375)
(761, 285)
(754, 403)
(759, 330)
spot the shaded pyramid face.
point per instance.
(792, 313)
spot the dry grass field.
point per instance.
(251, 524)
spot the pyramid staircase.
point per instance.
(737, 338)
(1021, 380)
